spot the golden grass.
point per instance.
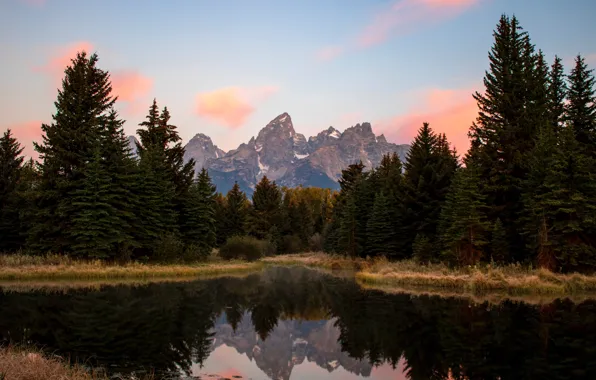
(510, 280)
(18, 364)
(53, 267)
(506, 280)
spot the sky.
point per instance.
(225, 68)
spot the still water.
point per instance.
(297, 323)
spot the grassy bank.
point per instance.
(379, 273)
(20, 364)
(54, 267)
(410, 276)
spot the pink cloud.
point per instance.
(329, 53)
(62, 57)
(591, 59)
(231, 106)
(448, 111)
(405, 15)
(26, 133)
(130, 85)
(402, 17)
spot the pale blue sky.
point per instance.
(419, 55)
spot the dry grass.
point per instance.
(54, 267)
(506, 280)
(18, 364)
(510, 280)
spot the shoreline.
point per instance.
(511, 280)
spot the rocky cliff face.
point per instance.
(289, 158)
(201, 148)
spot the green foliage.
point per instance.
(499, 246)
(265, 215)
(84, 115)
(168, 248)
(581, 105)
(380, 229)
(244, 247)
(422, 249)
(236, 212)
(11, 168)
(429, 169)
(464, 226)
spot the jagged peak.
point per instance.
(281, 118)
(381, 138)
(201, 136)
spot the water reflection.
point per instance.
(298, 323)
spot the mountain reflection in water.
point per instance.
(302, 324)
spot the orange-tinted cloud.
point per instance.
(231, 106)
(402, 17)
(130, 85)
(448, 111)
(26, 133)
(62, 57)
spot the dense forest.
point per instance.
(524, 192)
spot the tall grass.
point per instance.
(56, 267)
(510, 279)
(21, 364)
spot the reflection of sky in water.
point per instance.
(226, 362)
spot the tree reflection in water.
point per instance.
(165, 328)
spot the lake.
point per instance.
(298, 323)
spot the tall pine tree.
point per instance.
(11, 167)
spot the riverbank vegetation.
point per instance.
(31, 364)
(525, 192)
(55, 267)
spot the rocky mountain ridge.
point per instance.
(288, 157)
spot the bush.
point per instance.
(315, 243)
(168, 249)
(291, 244)
(244, 247)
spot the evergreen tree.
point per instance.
(348, 241)
(198, 219)
(266, 214)
(380, 230)
(430, 166)
(11, 167)
(568, 206)
(533, 218)
(511, 111)
(464, 226)
(236, 212)
(156, 194)
(94, 232)
(499, 244)
(557, 93)
(220, 219)
(581, 106)
(83, 107)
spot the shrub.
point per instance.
(315, 242)
(169, 248)
(291, 244)
(244, 247)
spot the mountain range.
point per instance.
(288, 157)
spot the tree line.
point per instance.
(524, 192)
